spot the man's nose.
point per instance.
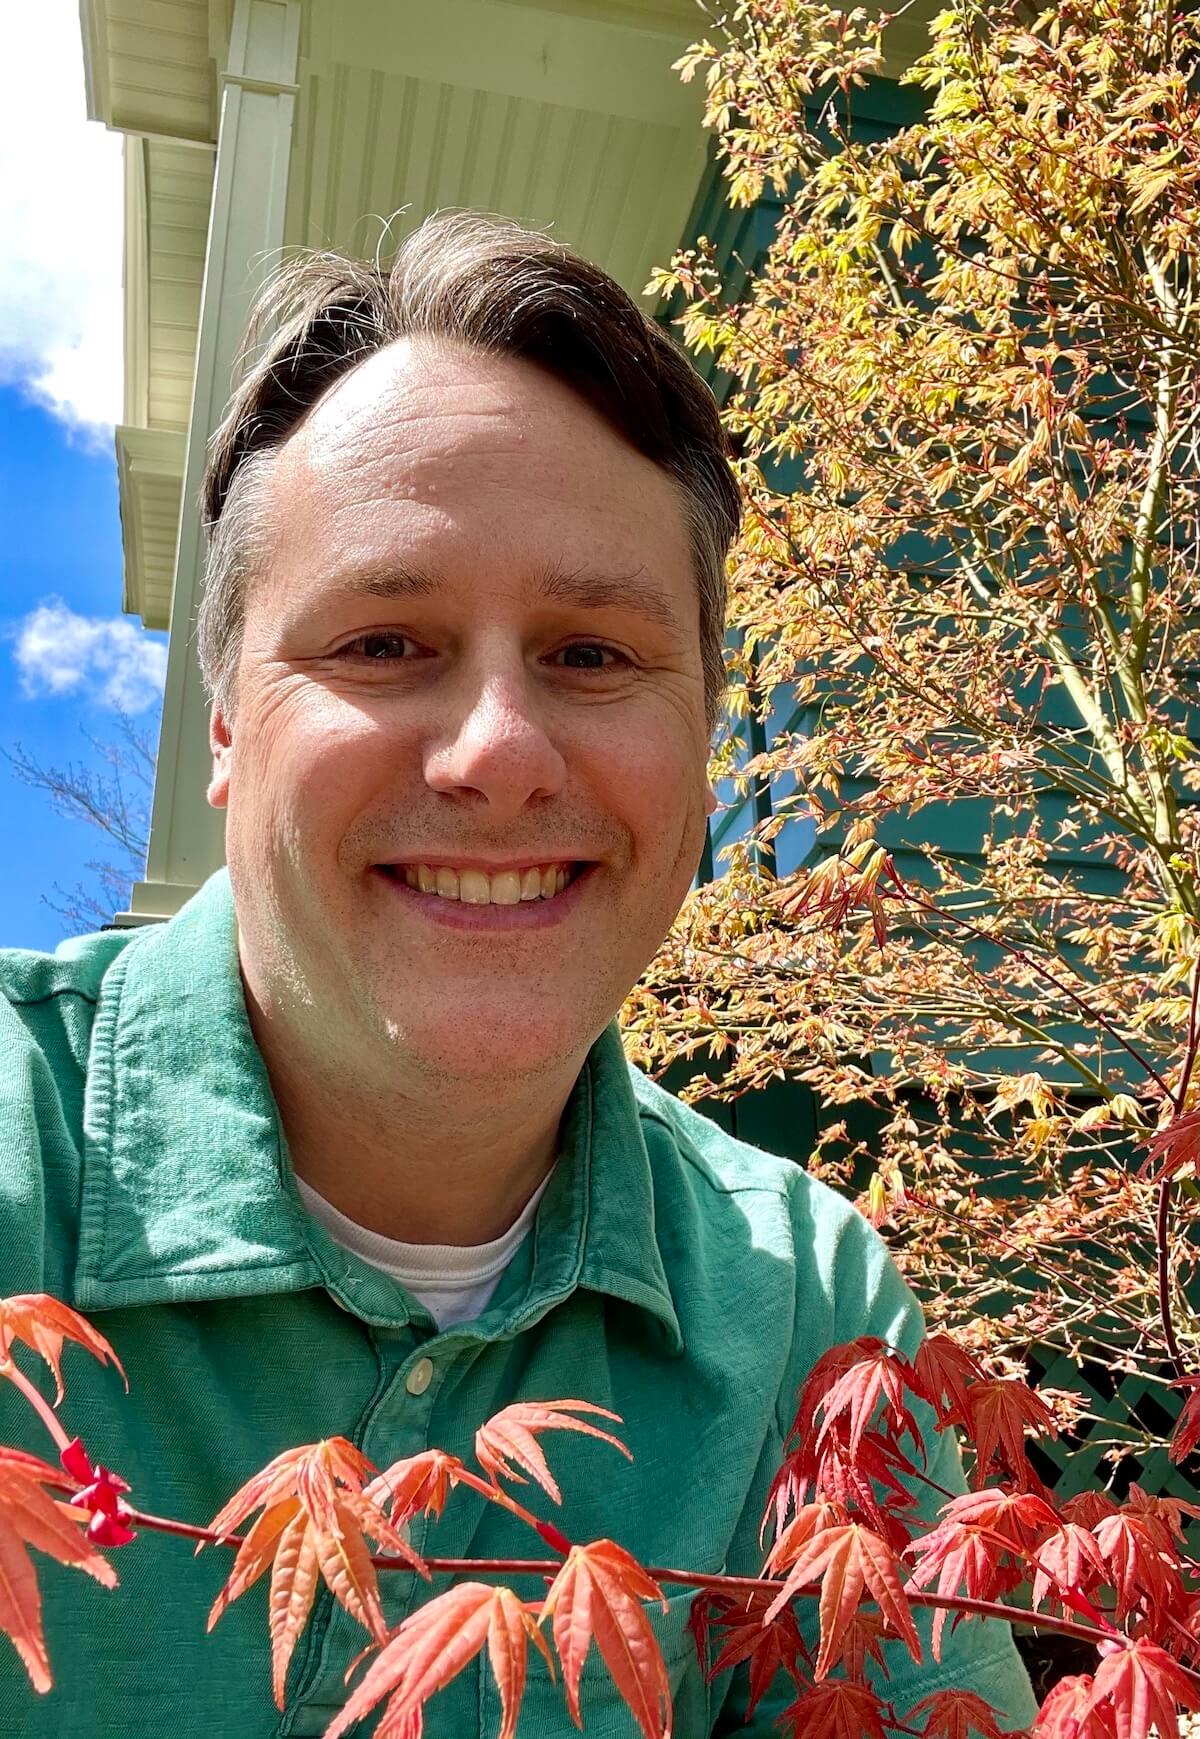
(498, 747)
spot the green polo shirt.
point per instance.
(679, 1277)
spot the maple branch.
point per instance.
(547, 1568)
(1163, 1269)
(1162, 1250)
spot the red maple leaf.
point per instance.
(769, 1648)
(1089, 1507)
(1186, 1434)
(979, 1547)
(1170, 1511)
(1069, 1562)
(1144, 1688)
(839, 885)
(1175, 1146)
(945, 1372)
(1141, 1563)
(865, 1635)
(955, 1714)
(826, 1469)
(997, 1414)
(821, 1378)
(1066, 1712)
(835, 1709)
(879, 1377)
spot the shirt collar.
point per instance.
(188, 1192)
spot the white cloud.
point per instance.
(61, 224)
(106, 658)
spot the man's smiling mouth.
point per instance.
(476, 887)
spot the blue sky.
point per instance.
(68, 657)
(61, 545)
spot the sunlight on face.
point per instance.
(466, 771)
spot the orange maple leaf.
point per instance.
(955, 1714)
(29, 1516)
(508, 1437)
(315, 1515)
(836, 1709)
(422, 1483)
(43, 1324)
(849, 1561)
(1144, 1688)
(599, 1593)
(434, 1644)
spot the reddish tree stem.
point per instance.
(716, 1584)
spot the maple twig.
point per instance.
(909, 896)
(10, 1369)
(1193, 1044)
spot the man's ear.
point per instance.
(711, 801)
(220, 742)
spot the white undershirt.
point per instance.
(454, 1282)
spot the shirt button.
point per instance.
(420, 1377)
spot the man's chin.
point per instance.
(492, 1043)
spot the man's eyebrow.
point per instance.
(591, 590)
(585, 588)
(392, 581)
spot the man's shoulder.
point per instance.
(720, 1166)
(48, 999)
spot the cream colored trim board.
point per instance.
(150, 481)
(246, 232)
(135, 277)
(93, 23)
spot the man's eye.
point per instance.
(590, 655)
(380, 647)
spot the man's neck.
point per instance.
(451, 1164)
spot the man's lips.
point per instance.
(464, 896)
(476, 884)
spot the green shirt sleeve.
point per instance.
(871, 1298)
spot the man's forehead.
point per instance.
(419, 400)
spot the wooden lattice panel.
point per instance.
(1116, 1402)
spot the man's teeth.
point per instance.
(475, 888)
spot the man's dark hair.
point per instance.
(499, 288)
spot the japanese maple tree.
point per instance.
(964, 382)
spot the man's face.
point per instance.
(471, 666)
